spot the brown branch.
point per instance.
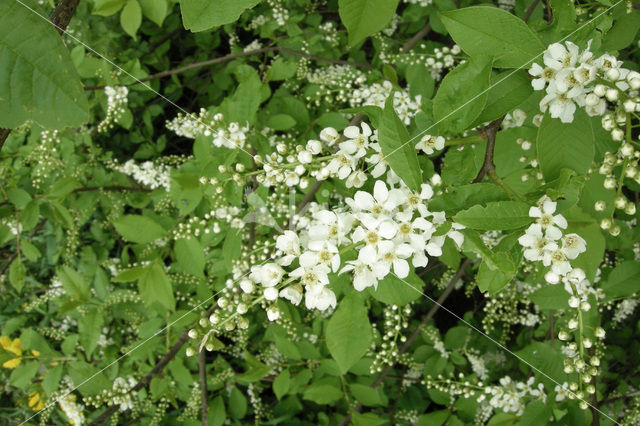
(111, 188)
(445, 294)
(490, 132)
(233, 56)
(202, 368)
(60, 18)
(530, 10)
(416, 38)
(62, 14)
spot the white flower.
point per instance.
(289, 244)
(329, 135)
(356, 179)
(549, 222)
(535, 243)
(319, 297)
(271, 293)
(310, 271)
(573, 245)
(429, 144)
(389, 255)
(363, 276)
(273, 313)
(293, 293)
(327, 253)
(358, 142)
(269, 274)
(544, 75)
(342, 165)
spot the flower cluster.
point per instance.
(386, 229)
(116, 103)
(436, 61)
(148, 173)
(229, 135)
(376, 94)
(512, 396)
(567, 78)
(544, 241)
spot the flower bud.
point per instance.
(617, 135)
(630, 209)
(614, 230)
(629, 105)
(610, 183)
(605, 223)
(611, 94)
(193, 333)
(627, 150)
(620, 202)
(612, 74)
(600, 90)
(600, 206)
(573, 324)
(190, 352)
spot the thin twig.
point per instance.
(416, 38)
(202, 368)
(233, 56)
(445, 294)
(490, 132)
(530, 10)
(111, 188)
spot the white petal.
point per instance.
(401, 268)
(380, 191)
(388, 229)
(351, 132)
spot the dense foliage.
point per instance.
(323, 212)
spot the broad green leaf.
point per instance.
(107, 7)
(200, 15)
(154, 10)
(492, 280)
(37, 78)
(281, 122)
(52, 379)
(349, 332)
(462, 95)
(281, 384)
(17, 274)
(74, 284)
(138, 229)
(623, 32)
(551, 297)
(190, 255)
(487, 30)
(130, 274)
(508, 90)
(462, 165)
(395, 291)
(241, 107)
(23, 374)
(623, 281)
(217, 412)
(80, 371)
(366, 419)
(232, 248)
(90, 328)
(466, 196)
(365, 17)
(237, 403)
(367, 395)
(399, 152)
(546, 359)
(565, 145)
(500, 215)
(496, 261)
(131, 17)
(322, 393)
(434, 418)
(155, 286)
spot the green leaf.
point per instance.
(155, 286)
(366, 395)
(200, 15)
(17, 274)
(500, 215)
(237, 403)
(365, 17)
(453, 112)
(37, 78)
(536, 413)
(52, 379)
(281, 384)
(565, 145)
(281, 122)
(232, 248)
(546, 359)
(131, 17)
(349, 332)
(190, 255)
(551, 297)
(495, 261)
(90, 328)
(465, 196)
(400, 155)
(486, 30)
(366, 419)
(23, 374)
(154, 10)
(138, 229)
(241, 107)
(74, 284)
(217, 412)
(107, 7)
(322, 393)
(508, 90)
(623, 281)
(434, 418)
(394, 291)
(492, 280)
(623, 32)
